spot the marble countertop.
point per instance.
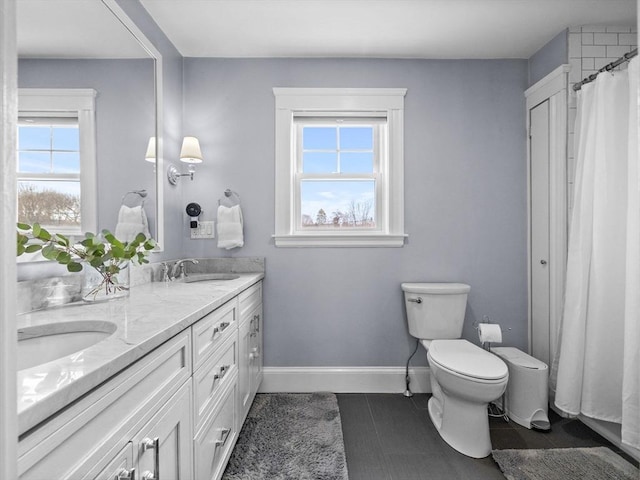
(153, 313)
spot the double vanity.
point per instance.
(155, 386)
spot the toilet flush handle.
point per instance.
(415, 300)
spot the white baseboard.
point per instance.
(343, 379)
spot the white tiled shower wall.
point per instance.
(592, 47)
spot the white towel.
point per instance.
(131, 222)
(230, 227)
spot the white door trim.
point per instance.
(554, 87)
(8, 340)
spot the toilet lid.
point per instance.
(467, 359)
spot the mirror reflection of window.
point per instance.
(49, 187)
(56, 159)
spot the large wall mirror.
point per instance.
(76, 175)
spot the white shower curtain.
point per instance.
(598, 369)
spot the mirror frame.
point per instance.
(154, 53)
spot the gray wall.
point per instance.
(549, 57)
(465, 197)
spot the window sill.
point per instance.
(342, 240)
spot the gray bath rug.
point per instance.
(597, 463)
(290, 436)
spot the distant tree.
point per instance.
(358, 214)
(47, 207)
(321, 217)
(337, 218)
(307, 220)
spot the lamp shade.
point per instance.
(150, 156)
(190, 152)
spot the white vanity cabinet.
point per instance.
(250, 348)
(174, 414)
(104, 431)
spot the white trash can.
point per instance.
(526, 398)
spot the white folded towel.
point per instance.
(131, 222)
(230, 225)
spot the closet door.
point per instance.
(547, 175)
(539, 258)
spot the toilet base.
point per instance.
(463, 425)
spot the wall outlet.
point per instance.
(205, 230)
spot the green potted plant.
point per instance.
(109, 257)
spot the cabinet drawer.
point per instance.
(212, 330)
(213, 376)
(215, 440)
(248, 299)
(79, 437)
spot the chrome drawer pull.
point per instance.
(220, 328)
(223, 437)
(254, 353)
(125, 474)
(223, 371)
(256, 328)
(148, 444)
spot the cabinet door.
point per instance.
(255, 352)
(121, 467)
(244, 373)
(164, 446)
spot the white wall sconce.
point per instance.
(190, 154)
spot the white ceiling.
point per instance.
(377, 28)
(72, 29)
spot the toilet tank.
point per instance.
(435, 310)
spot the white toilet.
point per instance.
(464, 377)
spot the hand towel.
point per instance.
(131, 222)
(230, 225)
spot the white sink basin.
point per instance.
(44, 343)
(203, 277)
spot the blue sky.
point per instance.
(331, 150)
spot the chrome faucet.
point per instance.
(179, 270)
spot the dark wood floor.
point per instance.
(390, 437)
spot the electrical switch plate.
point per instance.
(205, 230)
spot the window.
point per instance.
(339, 167)
(56, 159)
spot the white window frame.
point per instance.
(78, 102)
(386, 103)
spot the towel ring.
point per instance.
(230, 199)
(140, 193)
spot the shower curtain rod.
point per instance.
(610, 66)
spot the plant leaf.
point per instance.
(50, 252)
(63, 258)
(33, 248)
(23, 226)
(74, 267)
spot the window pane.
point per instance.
(34, 138)
(319, 138)
(356, 138)
(319, 162)
(66, 138)
(34, 162)
(356, 162)
(66, 162)
(49, 203)
(337, 203)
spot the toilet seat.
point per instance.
(467, 360)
